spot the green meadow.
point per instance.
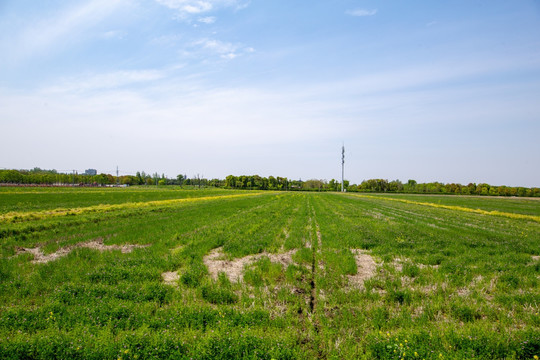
(167, 273)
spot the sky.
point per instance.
(443, 91)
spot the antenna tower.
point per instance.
(342, 166)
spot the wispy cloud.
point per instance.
(62, 28)
(111, 80)
(392, 110)
(225, 50)
(114, 34)
(208, 20)
(361, 12)
(194, 7)
(159, 118)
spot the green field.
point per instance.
(34, 199)
(516, 205)
(213, 274)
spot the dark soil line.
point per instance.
(316, 248)
(309, 336)
(312, 285)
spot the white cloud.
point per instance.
(216, 45)
(361, 12)
(191, 7)
(114, 34)
(276, 128)
(112, 80)
(139, 124)
(208, 20)
(66, 26)
(229, 56)
(225, 50)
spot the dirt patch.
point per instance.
(170, 278)
(216, 262)
(40, 257)
(366, 268)
(463, 292)
(536, 257)
(97, 244)
(424, 266)
(398, 264)
(375, 214)
(429, 289)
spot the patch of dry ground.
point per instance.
(170, 278)
(366, 268)
(216, 262)
(97, 244)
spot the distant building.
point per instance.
(90, 172)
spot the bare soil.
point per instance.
(366, 268)
(216, 262)
(170, 278)
(97, 244)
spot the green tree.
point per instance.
(180, 178)
(332, 185)
(272, 183)
(230, 181)
(410, 186)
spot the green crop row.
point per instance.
(527, 206)
(40, 199)
(461, 208)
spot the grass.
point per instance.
(39, 199)
(526, 206)
(448, 283)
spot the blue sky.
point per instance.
(433, 91)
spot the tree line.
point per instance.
(38, 176)
(411, 186)
(256, 182)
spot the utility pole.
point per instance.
(342, 166)
(117, 179)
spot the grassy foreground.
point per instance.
(367, 277)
